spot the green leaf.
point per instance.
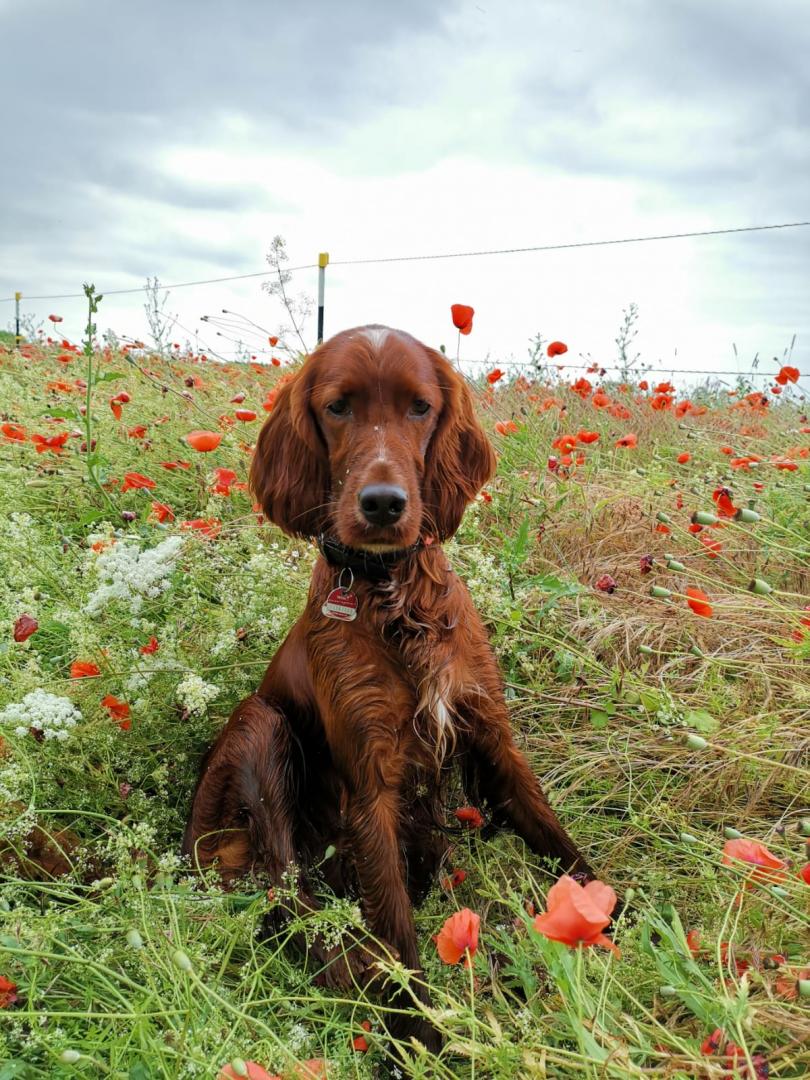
(110, 376)
(599, 718)
(702, 721)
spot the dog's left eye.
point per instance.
(419, 407)
(339, 407)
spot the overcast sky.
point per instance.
(178, 138)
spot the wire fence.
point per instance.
(244, 348)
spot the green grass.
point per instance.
(604, 690)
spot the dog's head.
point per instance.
(374, 440)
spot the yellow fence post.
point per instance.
(323, 262)
(17, 299)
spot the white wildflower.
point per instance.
(194, 693)
(53, 716)
(128, 574)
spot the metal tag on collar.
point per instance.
(341, 603)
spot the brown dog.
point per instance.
(388, 678)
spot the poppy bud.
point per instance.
(239, 1067)
(803, 986)
(667, 991)
(804, 827)
(645, 650)
(688, 838)
(696, 742)
(661, 516)
(747, 515)
(181, 960)
(134, 939)
(660, 593)
(673, 564)
(695, 650)
(70, 1057)
(760, 587)
(777, 890)
(732, 834)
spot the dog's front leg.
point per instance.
(373, 819)
(504, 778)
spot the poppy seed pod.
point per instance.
(665, 518)
(645, 650)
(732, 834)
(673, 564)
(760, 587)
(696, 742)
(704, 517)
(747, 515)
(660, 593)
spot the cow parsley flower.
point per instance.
(53, 716)
(194, 693)
(128, 574)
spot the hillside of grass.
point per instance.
(657, 668)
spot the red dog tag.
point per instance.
(340, 604)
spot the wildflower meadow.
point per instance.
(642, 561)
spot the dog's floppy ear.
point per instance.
(460, 458)
(289, 474)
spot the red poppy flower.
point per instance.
(24, 627)
(151, 647)
(13, 433)
(204, 441)
(804, 873)
(785, 465)
(723, 501)
(162, 512)
(600, 400)
(225, 478)
(134, 481)
(629, 441)
(683, 458)
(494, 376)
(644, 385)
(506, 427)
(645, 563)
(172, 465)
(54, 443)
(557, 348)
(713, 547)
(693, 942)
(245, 415)
(462, 317)
(699, 602)
(787, 374)
(606, 583)
(712, 1043)
(458, 937)
(55, 318)
(662, 528)
(210, 527)
(273, 341)
(237, 399)
(587, 437)
(470, 816)
(118, 710)
(455, 879)
(83, 669)
(682, 408)
(661, 402)
(137, 432)
(767, 866)
(565, 443)
(8, 992)
(664, 388)
(576, 914)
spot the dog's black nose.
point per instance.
(382, 504)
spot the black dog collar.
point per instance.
(372, 565)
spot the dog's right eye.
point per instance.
(340, 407)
